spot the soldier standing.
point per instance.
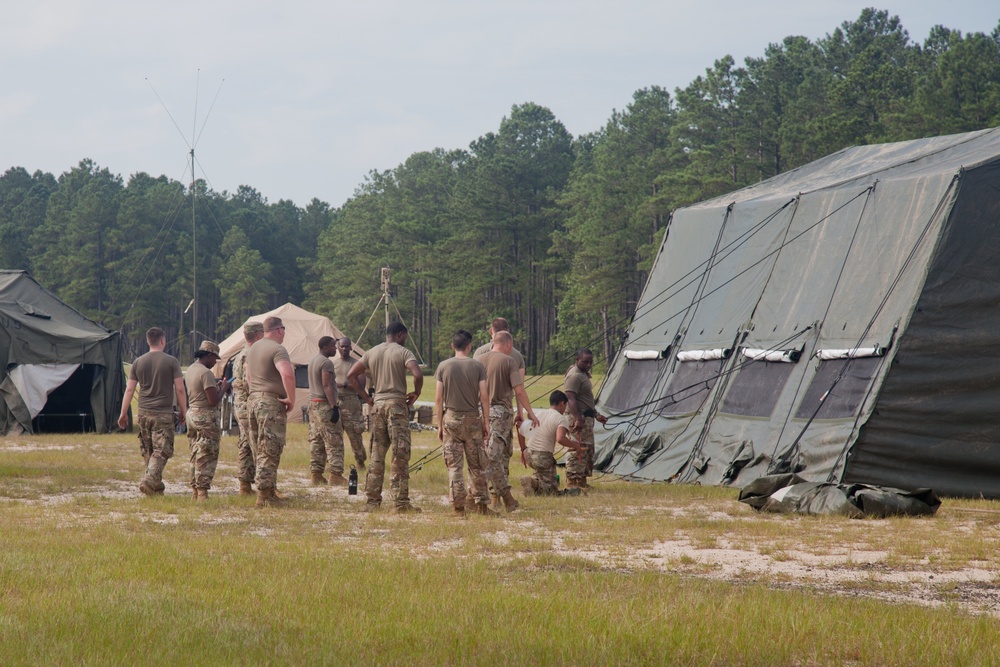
(204, 431)
(159, 378)
(541, 447)
(504, 382)
(271, 380)
(462, 408)
(390, 415)
(252, 332)
(323, 414)
(500, 324)
(351, 418)
(583, 410)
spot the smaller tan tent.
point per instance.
(303, 330)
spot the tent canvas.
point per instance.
(303, 330)
(856, 302)
(59, 371)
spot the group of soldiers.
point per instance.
(475, 408)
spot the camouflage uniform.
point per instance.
(241, 396)
(543, 480)
(267, 432)
(351, 422)
(326, 450)
(498, 448)
(156, 440)
(204, 434)
(390, 426)
(577, 468)
(463, 438)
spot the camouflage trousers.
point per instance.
(390, 427)
(499, 449)
(245, 452)
(204, 435)
(267, 435)
(324, 447)
(578, 468)
(463, 439)
(543, 480)
(156, 441)
(352, 423)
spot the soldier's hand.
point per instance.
(601, 418)
(411, 398)
(441, 433)
(288, 403)
(123, 422)
(335, 415)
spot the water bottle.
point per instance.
(352, 482)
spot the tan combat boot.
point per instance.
(194, 493)
(527, 486)
(201, 494)
(267, 498)
(318, 479)
(458, 511)
(495, 502)
(509, 502)
(337, 480)
(246, 488)
(485, 510)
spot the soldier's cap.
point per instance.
(207, 347)
(253, 328)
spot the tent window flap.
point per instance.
(689, 387)
(634, 384)
(844, 399)
(756, 389)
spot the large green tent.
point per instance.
(840, 321)
(59, 371)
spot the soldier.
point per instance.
(351, 417)
(503, 381)
(252, 332)
(204, 430)
(583, 410)
(462, 408)
(500, 324)
(323, 414)
(271, 380)
(390, 415)
(541, 447)
(159, 378)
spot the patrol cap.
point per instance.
(208, 347)
(252, 329)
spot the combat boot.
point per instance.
(246, 488)
(458, 512)
(527, 486)
(146, 488)
(318, 479)
(408, 509)
(194, 493)
(495, 502)
(337, 480)
(572, 491)
(484, 509)
(509, 502)
(266, 498)
(201, 494)
(470, 502)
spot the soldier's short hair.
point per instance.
(325, 341)
(155, 335)
(272, 323)
(461, 340)
(557, 397)
(503, 337)
(582, 352)
(251, 330)
(395, 328)
(500, 324)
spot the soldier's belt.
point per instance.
(319, 400)
(266, 394)
(461, 413)
(589, 413)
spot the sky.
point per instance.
(301, 99)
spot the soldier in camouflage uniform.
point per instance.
(583, 410)
(462, 407)
(390, 415)
(324, 416)
(504, 382)
(158, 377)
(247, 470)
(271, 380)
(204, 430)
(351, 418)
(541, 447)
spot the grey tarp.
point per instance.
(888, 246)
(36, 327)
(790, 494)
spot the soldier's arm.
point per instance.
(418, 382)
(354, 377)
(439, 409)
(330, 387)
(126, 402)
(287, 381)
(484, 400)
(563, 438)
(181, 395)
(574, 409)
(524, 404)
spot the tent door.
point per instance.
(68, 409)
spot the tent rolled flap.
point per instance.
(778, 356)
(852, 353)
(704, 355)
(643, 355)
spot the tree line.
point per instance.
(554, 232)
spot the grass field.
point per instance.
(93, 573)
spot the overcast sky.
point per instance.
(311, 95)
